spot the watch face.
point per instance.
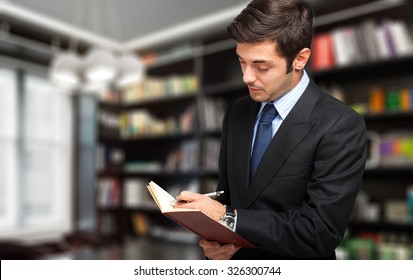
(228, 221)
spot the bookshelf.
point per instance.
(165, 129)
(379, 85)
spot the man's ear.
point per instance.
(301, 59)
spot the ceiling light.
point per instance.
(99, 66)
(131, 69)
(64, 70)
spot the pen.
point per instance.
(211, 195)
(214, 194)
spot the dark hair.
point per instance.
(289, 23)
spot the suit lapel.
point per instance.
(294, 128)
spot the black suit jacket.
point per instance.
(299, 202)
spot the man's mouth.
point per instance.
(254, 89)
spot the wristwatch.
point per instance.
(228, 219)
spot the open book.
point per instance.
(195, 220)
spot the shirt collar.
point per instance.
(285, 103)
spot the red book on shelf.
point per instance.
(405, 100)
(323, 52)
(195, 220)
(377, 100)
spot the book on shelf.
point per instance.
(363, 42)
(195, 220)
(396, 211)
(212, 111)
(391, 149)
(323, 55)
(108, 157)
(142, 166)
(155, 88)
(140, 224)
(184, 158)
(108, 192)
(135, 194)
(346, 46)
(210, 154)
(141, 122)
(396, 149)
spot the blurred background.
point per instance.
(97, 98)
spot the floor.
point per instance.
(138, 249)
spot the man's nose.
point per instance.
(248, 75)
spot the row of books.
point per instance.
(390, 149)
(155, 88)
(391, 100)
(151, 166)
(210, 152)
(183, 159)
(108, 192)
(108, 121)
(108, 157)
(376, 246)
(367, 41)
(141, 122)
(136, 195)
(377, 99)
(212, 113)
(391, 210)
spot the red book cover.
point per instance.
(323, 53)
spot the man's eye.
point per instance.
(263, 69)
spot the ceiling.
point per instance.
(133, 23)
(129, 24)
(132, 18)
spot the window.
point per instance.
(35, 139)
(8, 148)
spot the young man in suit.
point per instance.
(295, 200)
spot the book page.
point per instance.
(161, 197)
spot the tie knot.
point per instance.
(268, 113)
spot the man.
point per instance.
(295, 202)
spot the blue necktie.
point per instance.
(263, 135)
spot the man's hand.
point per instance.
(216, 251)
(209, 206)
(214, 209)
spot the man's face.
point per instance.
(264, 71)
